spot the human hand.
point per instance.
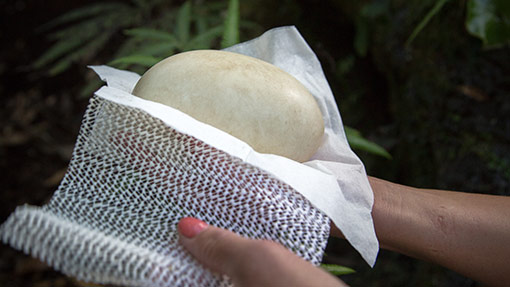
(249, 262)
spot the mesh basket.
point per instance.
(113, 218)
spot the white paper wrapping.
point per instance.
(334, 181)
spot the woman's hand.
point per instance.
(249, 262)
(466, 232)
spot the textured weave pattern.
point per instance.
(113, 218)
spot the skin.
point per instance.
(249, 262)
(465, 232)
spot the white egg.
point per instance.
(248, 98)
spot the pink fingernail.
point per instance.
(190, 227)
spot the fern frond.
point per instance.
(163, 49)
(152, 34)
(86, 50)
(203, 40)
(84, 12)
(56, 51)
(143, 60)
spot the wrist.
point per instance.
(395, 215)
(406, 219)
(386, 212)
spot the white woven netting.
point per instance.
(113, 218)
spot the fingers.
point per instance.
(216, 248)
(249, 262)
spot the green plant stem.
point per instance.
(231, 29)
(437, 7)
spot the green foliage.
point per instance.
(142, 60)
(433, 12)
(489, 20)
(151, 34)
(345, 65)
(361, 39)
(153, 30)
(85, 32)
(178, 29)
(357, 141)
(367, 13)
(231, 31)
(152, 45)
(183, 22)
(337, 269)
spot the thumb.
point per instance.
(217, 249)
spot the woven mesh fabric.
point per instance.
(131, 178)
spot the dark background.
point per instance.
(441, 107)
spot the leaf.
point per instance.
(163, 49)
(86, 49)
(472, 92)
(88, 29)
(183, 24)
(375, 9)
(150, 34)
(80, 13)
(128, 47)
(143, 60)
(435, 10)
(96, 25)
(59, 67)
(156, 43)
(345, 65)
(56, 51)
(85, 29)
(367, 13)
(361, 38)
(231, 28)
(357, 141)
(337, 269)
(93, 27)
(201, 24)
(489, 20)
(203, 41)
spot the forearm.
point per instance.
(468, 233)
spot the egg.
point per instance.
(248, 98)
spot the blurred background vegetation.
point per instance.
(426, 81)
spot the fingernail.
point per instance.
(190, 227)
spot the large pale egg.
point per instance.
(248, 98)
